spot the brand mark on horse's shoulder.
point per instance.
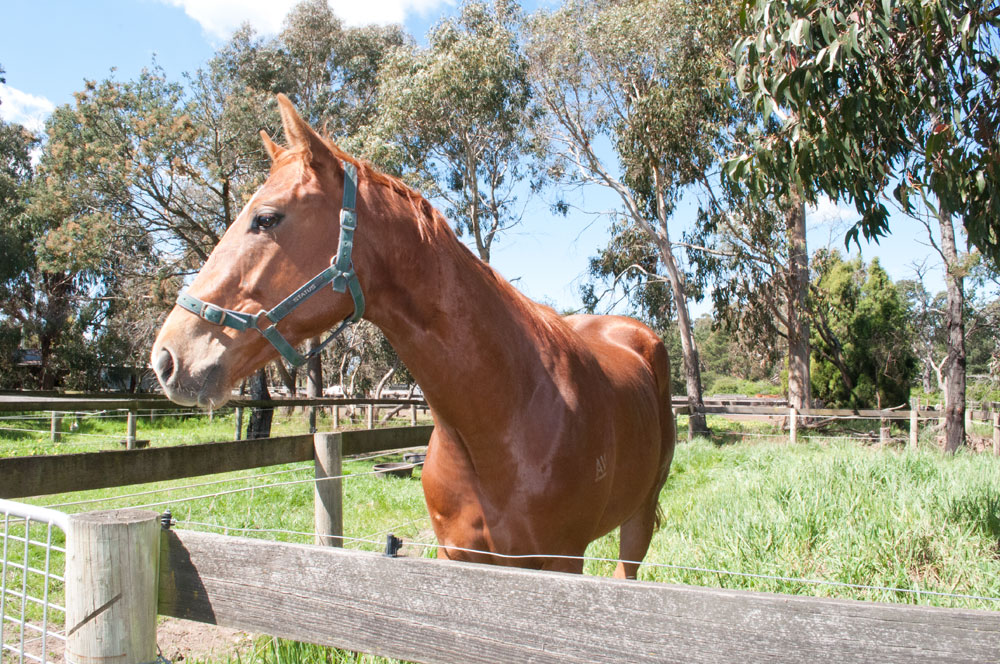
(602, 468)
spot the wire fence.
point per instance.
(32, 619)
(375, 540)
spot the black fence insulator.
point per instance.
(392, 545)
(166, 520)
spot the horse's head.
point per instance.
(286, 257)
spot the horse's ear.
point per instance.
(273, 149)
(298, 132)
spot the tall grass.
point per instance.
(915, 521)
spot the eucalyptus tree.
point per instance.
(16, 240)
(634, 103)
(863, 353)
(457, 115)
(328, 70)
(865, 95)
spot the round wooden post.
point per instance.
(413, 415)
(371, 416)
(239, 423)
(328, 497)
(130, 431)
(913, 428)
(111, 582)
(56, 426)
(793, 418)
(336, 417)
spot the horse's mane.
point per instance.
(544, 317)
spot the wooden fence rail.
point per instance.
(434, 611)
(60, 473)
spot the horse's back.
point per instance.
(611, 338)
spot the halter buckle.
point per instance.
(212, 313)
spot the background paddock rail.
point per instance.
(43, 475)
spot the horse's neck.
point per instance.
(470, 340)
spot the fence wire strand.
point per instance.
(600, 559)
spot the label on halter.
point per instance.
(305, 293)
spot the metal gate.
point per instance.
(32, 590)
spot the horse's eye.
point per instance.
(266, 219)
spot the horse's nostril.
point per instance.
(163, 365)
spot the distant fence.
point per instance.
(736, 405)
(795, 417)
(132, 405)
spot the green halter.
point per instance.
(340, 274)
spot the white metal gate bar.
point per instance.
(22, 585)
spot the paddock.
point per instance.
(410, 608)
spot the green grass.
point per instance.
(826, 510)
(29, 434)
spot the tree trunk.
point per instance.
(689, 349)
(954, 364)
(259, 425)
(927, 374)
(799, 388)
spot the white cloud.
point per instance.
(24, 108)
(827, 212)
(220, 18)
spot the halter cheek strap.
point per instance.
(340, 275)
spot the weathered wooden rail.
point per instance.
(60, 473)
(442, 612)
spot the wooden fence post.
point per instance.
(328, 496)
(413, 415)
(336, 417)
(130, 431)
(793, 418)
(371, 416)
(56, 426)
(996, 432)
(239, 423)
(913, 428)
(111, 581)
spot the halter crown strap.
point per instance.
(340, 275)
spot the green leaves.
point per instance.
(799, 31)
(878, 88)
(462, 108)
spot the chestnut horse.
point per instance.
(549, 432)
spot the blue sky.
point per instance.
(49, 47)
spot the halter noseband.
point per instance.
(340, 273)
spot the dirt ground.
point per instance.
(182, 640)
(179, 640)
